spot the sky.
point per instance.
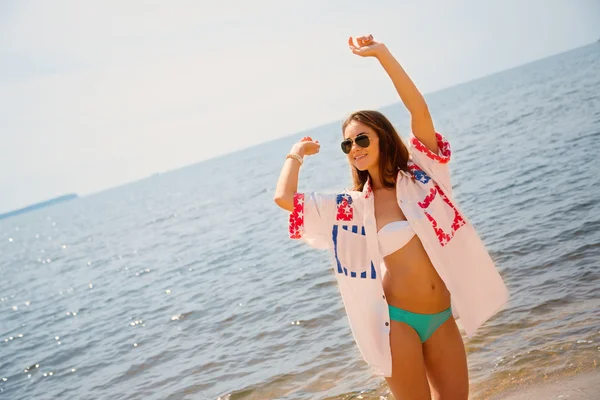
(97, 94)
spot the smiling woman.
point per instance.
(401, 245)
(362, 128)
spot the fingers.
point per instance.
(353, 48)
(365, 40)
(362, 41)
(351, 44)
(308, 139)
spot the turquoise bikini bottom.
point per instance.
(423, 324)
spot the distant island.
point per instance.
(37, 206)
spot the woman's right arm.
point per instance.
(287, 184)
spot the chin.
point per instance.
(362, 164)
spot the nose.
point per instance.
(354, 146)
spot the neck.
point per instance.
(375, 179)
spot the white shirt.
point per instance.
(344, 223)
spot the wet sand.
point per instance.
(585, 386)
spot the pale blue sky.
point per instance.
(97, 94)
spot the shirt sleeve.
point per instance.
(313, 218)
(434, 165)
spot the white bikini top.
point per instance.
(394, 236)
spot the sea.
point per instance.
(185, 285)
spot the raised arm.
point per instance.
(287, 184)
(421, 122)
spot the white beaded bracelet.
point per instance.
(295, 157)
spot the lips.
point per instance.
(358, 158)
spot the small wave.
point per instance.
(551, 305)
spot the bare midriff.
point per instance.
(410, 281)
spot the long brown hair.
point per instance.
(393, 154)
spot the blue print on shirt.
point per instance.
(340, 268)
(341, 197)
(421, 176)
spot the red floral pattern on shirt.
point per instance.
(443, 237)
(344, 209)
(443, 145)
(296, 225)
(367, 189)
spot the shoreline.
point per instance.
(583, 386)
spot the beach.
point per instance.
(580, 387)
(186, 285)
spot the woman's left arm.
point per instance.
(421, 122)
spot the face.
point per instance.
(363, 158)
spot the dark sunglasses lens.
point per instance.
(362, 141)
(346, 146)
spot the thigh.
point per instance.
(446, 363)
(409, 378)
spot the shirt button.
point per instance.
(384, 296)
(387, 324)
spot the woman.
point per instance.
(407, 261)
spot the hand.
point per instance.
(306, 147)
(367, 47)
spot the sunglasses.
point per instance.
(361, 140)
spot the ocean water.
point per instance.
(185, 285)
